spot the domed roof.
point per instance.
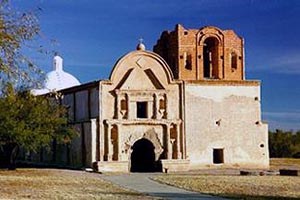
(57, 79)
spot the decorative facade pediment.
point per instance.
(147, 69)
(145, 77)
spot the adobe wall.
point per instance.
(182, 45)
(79, 153)
(225, 116)
(139, 76)
(82, 103)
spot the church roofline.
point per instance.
(180, 26)
(224, 82)
(80, 87)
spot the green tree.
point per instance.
(18, 32)
(30, 122)
(296, 145)
(26, 121)
(284, 144)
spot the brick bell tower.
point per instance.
(201, 54)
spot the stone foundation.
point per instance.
(175, 165)
(112, 166)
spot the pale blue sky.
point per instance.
(91, 35)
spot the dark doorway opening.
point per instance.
(218, 156)
(143, 157)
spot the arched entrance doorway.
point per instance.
(143, 157)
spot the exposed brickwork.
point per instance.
(205, 53)
(224, 82)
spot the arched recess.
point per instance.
(146, 150)
(143, 156)
(211, 51)
(210, 31)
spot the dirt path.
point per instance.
(142, 183)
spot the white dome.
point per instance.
(57, 79)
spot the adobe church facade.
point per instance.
(184, 106)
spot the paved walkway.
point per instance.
(142, 183)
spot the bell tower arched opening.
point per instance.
(210, 57)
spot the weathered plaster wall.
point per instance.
(76, 148)
(68, 100)
(94, 102)
(139, 76)
(82, 104)
(226, 117)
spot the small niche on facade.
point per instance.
(218, 156)
(162, 108)
(162, 104)
(173, 136)
(262, 145)
(188, 62)
(114, 140)
(124, 108)
(141, 109)
(234, 59)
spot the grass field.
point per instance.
(280, 163)
(245, 187)
(59, 184)
(69, 184)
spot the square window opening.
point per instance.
(141, 109)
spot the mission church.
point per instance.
(184, 106)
